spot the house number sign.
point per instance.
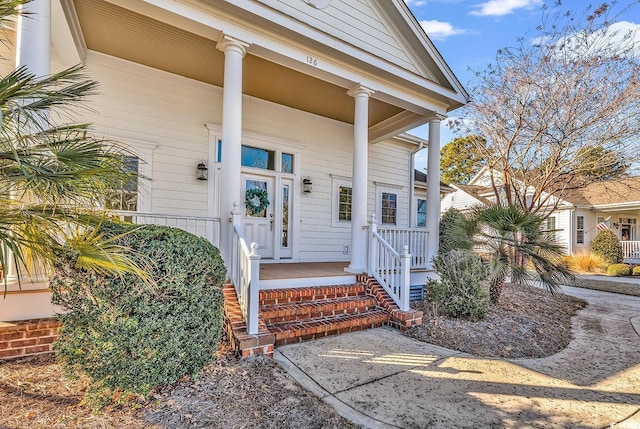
(312, 61)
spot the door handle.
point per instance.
(271, 223)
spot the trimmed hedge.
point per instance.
(606, 245)
(128, 336)
(636, 271)
(619, 270)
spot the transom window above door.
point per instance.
(254, 157)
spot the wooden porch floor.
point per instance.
(302, 270)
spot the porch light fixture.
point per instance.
(202, 172)
(616, 224)
(307, 185)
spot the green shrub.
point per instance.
(461, 290)
(129, 336)
(619, 270)
(448, 227)
(636, 270)
(606, 245)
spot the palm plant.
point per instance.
(53, 177)
(514, 244)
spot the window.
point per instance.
(125, 197)
(550, 226)
(344, 203)
(287, 163)
(341, 201)
(389, 208)
(258, 158)
(421, 218)
(580, 229)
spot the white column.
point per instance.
(433, 188)
(359, 179)
(34, 38)
(230, 181)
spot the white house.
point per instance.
(298, 103)
(615, 203)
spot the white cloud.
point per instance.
(415, 2)
(440, 30)
(503, 7)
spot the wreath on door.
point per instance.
(256, 201)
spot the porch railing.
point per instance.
(390, 268)
(202, 226)
(630, 249)
(245, 273)
(414, 238)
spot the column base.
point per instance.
(355, 270)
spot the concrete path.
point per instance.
(381, 379)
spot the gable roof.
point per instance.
(421, 178)
(626, 190)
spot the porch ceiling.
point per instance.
(119, 32)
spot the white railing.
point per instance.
(390, 268)
(414, 238)
(630, 249)
(202, 226)
(245, 272)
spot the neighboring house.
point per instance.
(615, 203)
(298, 103)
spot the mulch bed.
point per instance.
(527, 323)
(229, 393)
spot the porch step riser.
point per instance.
(292, 296)
(273, 315)
(320, 328)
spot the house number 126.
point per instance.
(312, 60)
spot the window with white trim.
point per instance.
(549, 227)
(579, 229)
(389, 208)
(341, 201)
(421, 214)
(125, 195)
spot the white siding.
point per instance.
(458, 200)
(357, 22)
(147, 105)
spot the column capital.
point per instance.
(359, 91)
(228, 43)
(437, 117)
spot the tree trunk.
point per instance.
(495, 290)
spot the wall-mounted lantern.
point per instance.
(307, 185)
(202, 172)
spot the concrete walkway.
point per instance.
(382, 379)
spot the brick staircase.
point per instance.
(294, 315)
(299, 314)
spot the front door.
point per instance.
(258, 222)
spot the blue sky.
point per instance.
(469, 32)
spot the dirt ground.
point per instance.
(527, 323)
(229, 393)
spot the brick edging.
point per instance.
(27, 337)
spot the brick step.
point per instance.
(285, 296)
(279, 313)
(293, 332)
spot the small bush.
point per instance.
(127, 336)
(586, 263)
(461, 290)
(606, 245)
(619, 270)
(636, 271)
